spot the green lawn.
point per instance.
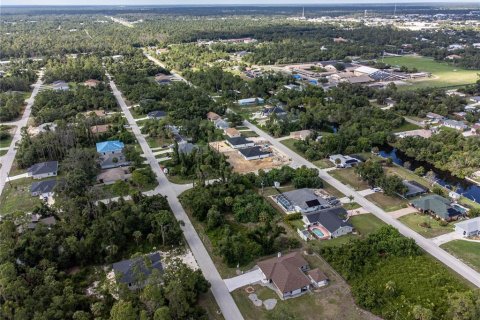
(349, 177)
(407, 126)
(443, 74)
(366, 223)
(157, 142)
(467, 251)
(249, 134)
(6, 142)
(323, 163)
(16, 196)
(414, 220)
(387, 203)
(3, 152)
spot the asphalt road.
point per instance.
(224, 300)
(7, 160)
(426, 244)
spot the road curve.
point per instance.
(224, 300)
(7, 160)
(426, 244)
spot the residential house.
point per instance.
(434, 117)
(35, 220)
(157, 114)
(414, 189)
(92, 83)
(454, 124)
(278, 111)
(60, 85)
(232, 133)
(135, 272)
(212, 116)
(221, 124)
(334, 220)
(240, 142)
(254, 153)
(287, 274)
(437, 206)
(341, 161)
(110, 176)
(304, 201)
(300, 135)
(318, 278)
(43, 170)
(293, 87)
(43, 189)
(468, 228)
(111, 154)
(250, 101)
(161, 78)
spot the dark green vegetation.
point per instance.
(38, 266)
(240, 224)
(391, 277)
(76, 69)
(19, 75)
(11, 104)
(372, 172)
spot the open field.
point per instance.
(16, 196)
(156, 142)
(407, 126)
(467, 251)
(322, 163)
(331, 302)
(349, 177)
(241, 165)
(6, 142)
(443, 74)
(387, 203)
(414, 220)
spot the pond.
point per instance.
(465, 188)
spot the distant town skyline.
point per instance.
(219, 2)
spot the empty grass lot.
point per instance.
(414, 220)
(16, 197)
(349, 177)
(322, 163)
(467, 251)
(366, 223)
(443, 74)
(387, 203)
(4, 143)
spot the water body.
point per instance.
(466, 188)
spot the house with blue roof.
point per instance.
(111, 154)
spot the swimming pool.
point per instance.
(318, 232)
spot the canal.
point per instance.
(465, 188)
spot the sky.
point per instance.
(208, 2)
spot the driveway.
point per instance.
(447, 237)
(245, 279)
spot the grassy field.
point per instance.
(6, 142)
(468, 252)
(407, 126)
(349, 177)
(249, 134)
(366, 223)
(413, 221)
(16, 196)
(3, 152)
(387, 203)
(443, 74)
(158, 142)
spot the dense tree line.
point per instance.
(11, 104)
(53, 105)
(391, 277)
(372, 172)
(77, 69)
(19, 75)
(232, 240)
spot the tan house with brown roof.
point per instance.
(232, 132)
(287, 274)
(110, 176)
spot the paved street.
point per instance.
(224, 300)
(7, 160)
(426, 244)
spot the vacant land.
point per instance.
(16, 197)
(331, 302)
(443, 74)
(467, 251)
(249, 134)
(407, 126)
(349, 177)
(366, 223)
(387, 203)
(322, 163)
(5, 143)
(425, 225)
(157, 142)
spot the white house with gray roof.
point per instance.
(468, 228)
(332, 219)
(43, 170)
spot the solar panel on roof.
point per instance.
(312, 203)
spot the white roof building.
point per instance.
(468, 228)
